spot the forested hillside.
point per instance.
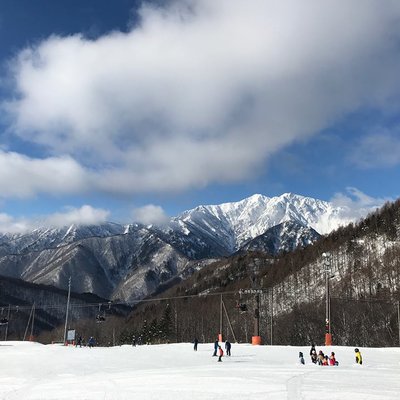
(364, 282)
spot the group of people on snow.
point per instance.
(218, 348)
(218, 351)
(322, 359)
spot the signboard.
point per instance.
(71, 334)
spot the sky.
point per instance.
(176, 372)
(137, 110)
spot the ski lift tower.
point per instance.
(256, 338)
(327, 267)
(257, 291)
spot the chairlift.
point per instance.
(3, 320)
(242, 307)
(100, 317)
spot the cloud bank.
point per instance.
(199, 92)
(150, 214)
(85, 215)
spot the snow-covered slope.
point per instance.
(176, 372)
(286, 236)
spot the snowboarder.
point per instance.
(216, 345)
(195, 342)
(358, 356)
(220, 353)
(228, 348)
(301, 358)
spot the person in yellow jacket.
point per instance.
(358, 356)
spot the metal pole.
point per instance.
(272, 313)
(229, 322)
(327, 300)
(8, 321)
(327, 265)
(66, 313)
(33, 322)
(257, 316)
(220, 321)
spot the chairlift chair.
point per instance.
(100, 317)
(242, 307)
(3, 320)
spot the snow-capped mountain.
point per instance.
(233, 224)
(130, 261)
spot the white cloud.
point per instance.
(9, 224)
(352, 206)
(23, 176)
(200, 92)
(85, 215)
(356, 204)
(149, 215)
(380, 149)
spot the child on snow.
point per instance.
(313, 355)
(332, 359)
(358, 356)
(301, 358)
(321, 358)
(220, 353)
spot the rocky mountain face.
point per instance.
(128, 262)
(284, 237)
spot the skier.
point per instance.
(358, 356)
(220, 353)
(79, 341)
(301, 358)
(228, 348)
(196, 342)
(216, 345)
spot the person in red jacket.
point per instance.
(332, 359)
(220, 353)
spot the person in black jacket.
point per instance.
(195, 343)
(313, 354)
(228, 348)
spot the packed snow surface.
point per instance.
(176, 372)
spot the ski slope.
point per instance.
(176, 372)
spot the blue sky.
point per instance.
(136, 110)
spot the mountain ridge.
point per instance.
(131, 261)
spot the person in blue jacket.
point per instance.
(216, 345)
